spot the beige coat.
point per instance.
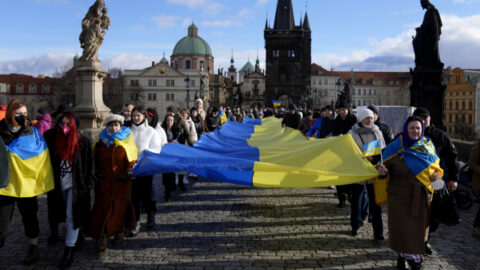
(408, 209)
(474, 164)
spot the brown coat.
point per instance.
(113, 205)
(474, 164)
(408, 209)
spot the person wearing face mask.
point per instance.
(147, 139)
(72, 160)
(27, 152)
(114, 154)
(363, 133)
(411, 164)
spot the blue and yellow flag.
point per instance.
(277, 103)
(31, 172)
(123, 138)
(372, 148)
(260, 153)
(420, 158)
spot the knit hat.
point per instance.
(421, 112)
(114, 118)
(373, 108)
(199, 100)
(362, 114)
(292, 107)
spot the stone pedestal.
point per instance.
(90, 108)
(427, 91)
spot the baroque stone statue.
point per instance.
(425, 43)
(94, 25)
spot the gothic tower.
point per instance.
(288, 56)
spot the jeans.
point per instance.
(359, 203)
(142, 191)
(376, 212)
(72, 234)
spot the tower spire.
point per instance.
(284, 19)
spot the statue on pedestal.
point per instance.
(94, 25)
(425, 43)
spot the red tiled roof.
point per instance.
(14, 79)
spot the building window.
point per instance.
(170, 97)
(152, 83)
(291, 53)
(469, 119)
(32, 88)
(457, 79)
(325, 82)
(456, 105)
(134, 96)
(192, 83)
(320, 82)
(170, 83)
(276, 53)
(134, 83)
(187, 64)
(45, 88)
(202, 64)
(370, 92)
(152, 96)
(470, 105)
(463, 105)
(364, 92)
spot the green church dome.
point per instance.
(248, 67)
(192, 44)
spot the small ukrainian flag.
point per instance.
(277, 103)
(372, 148)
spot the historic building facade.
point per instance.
(179, 82)
(461, 104)
(288, 56)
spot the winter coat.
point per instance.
(292, 121)
(83, 177)
(213, 122)
(386, 131)
(161, 133)
(408, 209)
(474, 164)
(362, 135)
(199, 125)
(305, 125)
(446, 151)
(184, 132)
(113, 208)
(146, 138)
(342, 126)
(44, 123)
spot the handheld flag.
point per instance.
(372, 148)
(276, 103)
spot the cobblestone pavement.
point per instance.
(222, 226)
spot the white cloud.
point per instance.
(165, 21)
(189, 3)
(262, 2)
(46, 64)
(221, 23)
(459, 45)
(129, 61)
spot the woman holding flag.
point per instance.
(114, 154)
(369, 140)
(411, 165)
(27, 152)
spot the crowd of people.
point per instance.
(106, 168)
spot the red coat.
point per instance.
(113, 205)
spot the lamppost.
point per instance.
(337, 86)
(187, 84)
(202, 81)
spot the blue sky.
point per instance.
(41, 36)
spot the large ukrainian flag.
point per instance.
(31, 172)
(261, 153)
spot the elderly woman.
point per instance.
(114, 154)
(365, 132)
(411, 165)
(72, 160)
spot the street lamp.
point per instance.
(187, 84)
(337, 85)
(202, 81)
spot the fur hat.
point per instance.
(362, 114)
(199, 100)
(114, 118)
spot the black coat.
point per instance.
(327, 127)
(446, 151)
(343, 126)
(292, 121)
(386, 131)
(83, 177)
(213, 122)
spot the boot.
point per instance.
(414, 265)
(67, 258)
(118, 238)
(32, 255)
(79, 241)
(54, 237)
(136, 231)
(150, 220)
(428, 248)
(102, 245)
(402, 264)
